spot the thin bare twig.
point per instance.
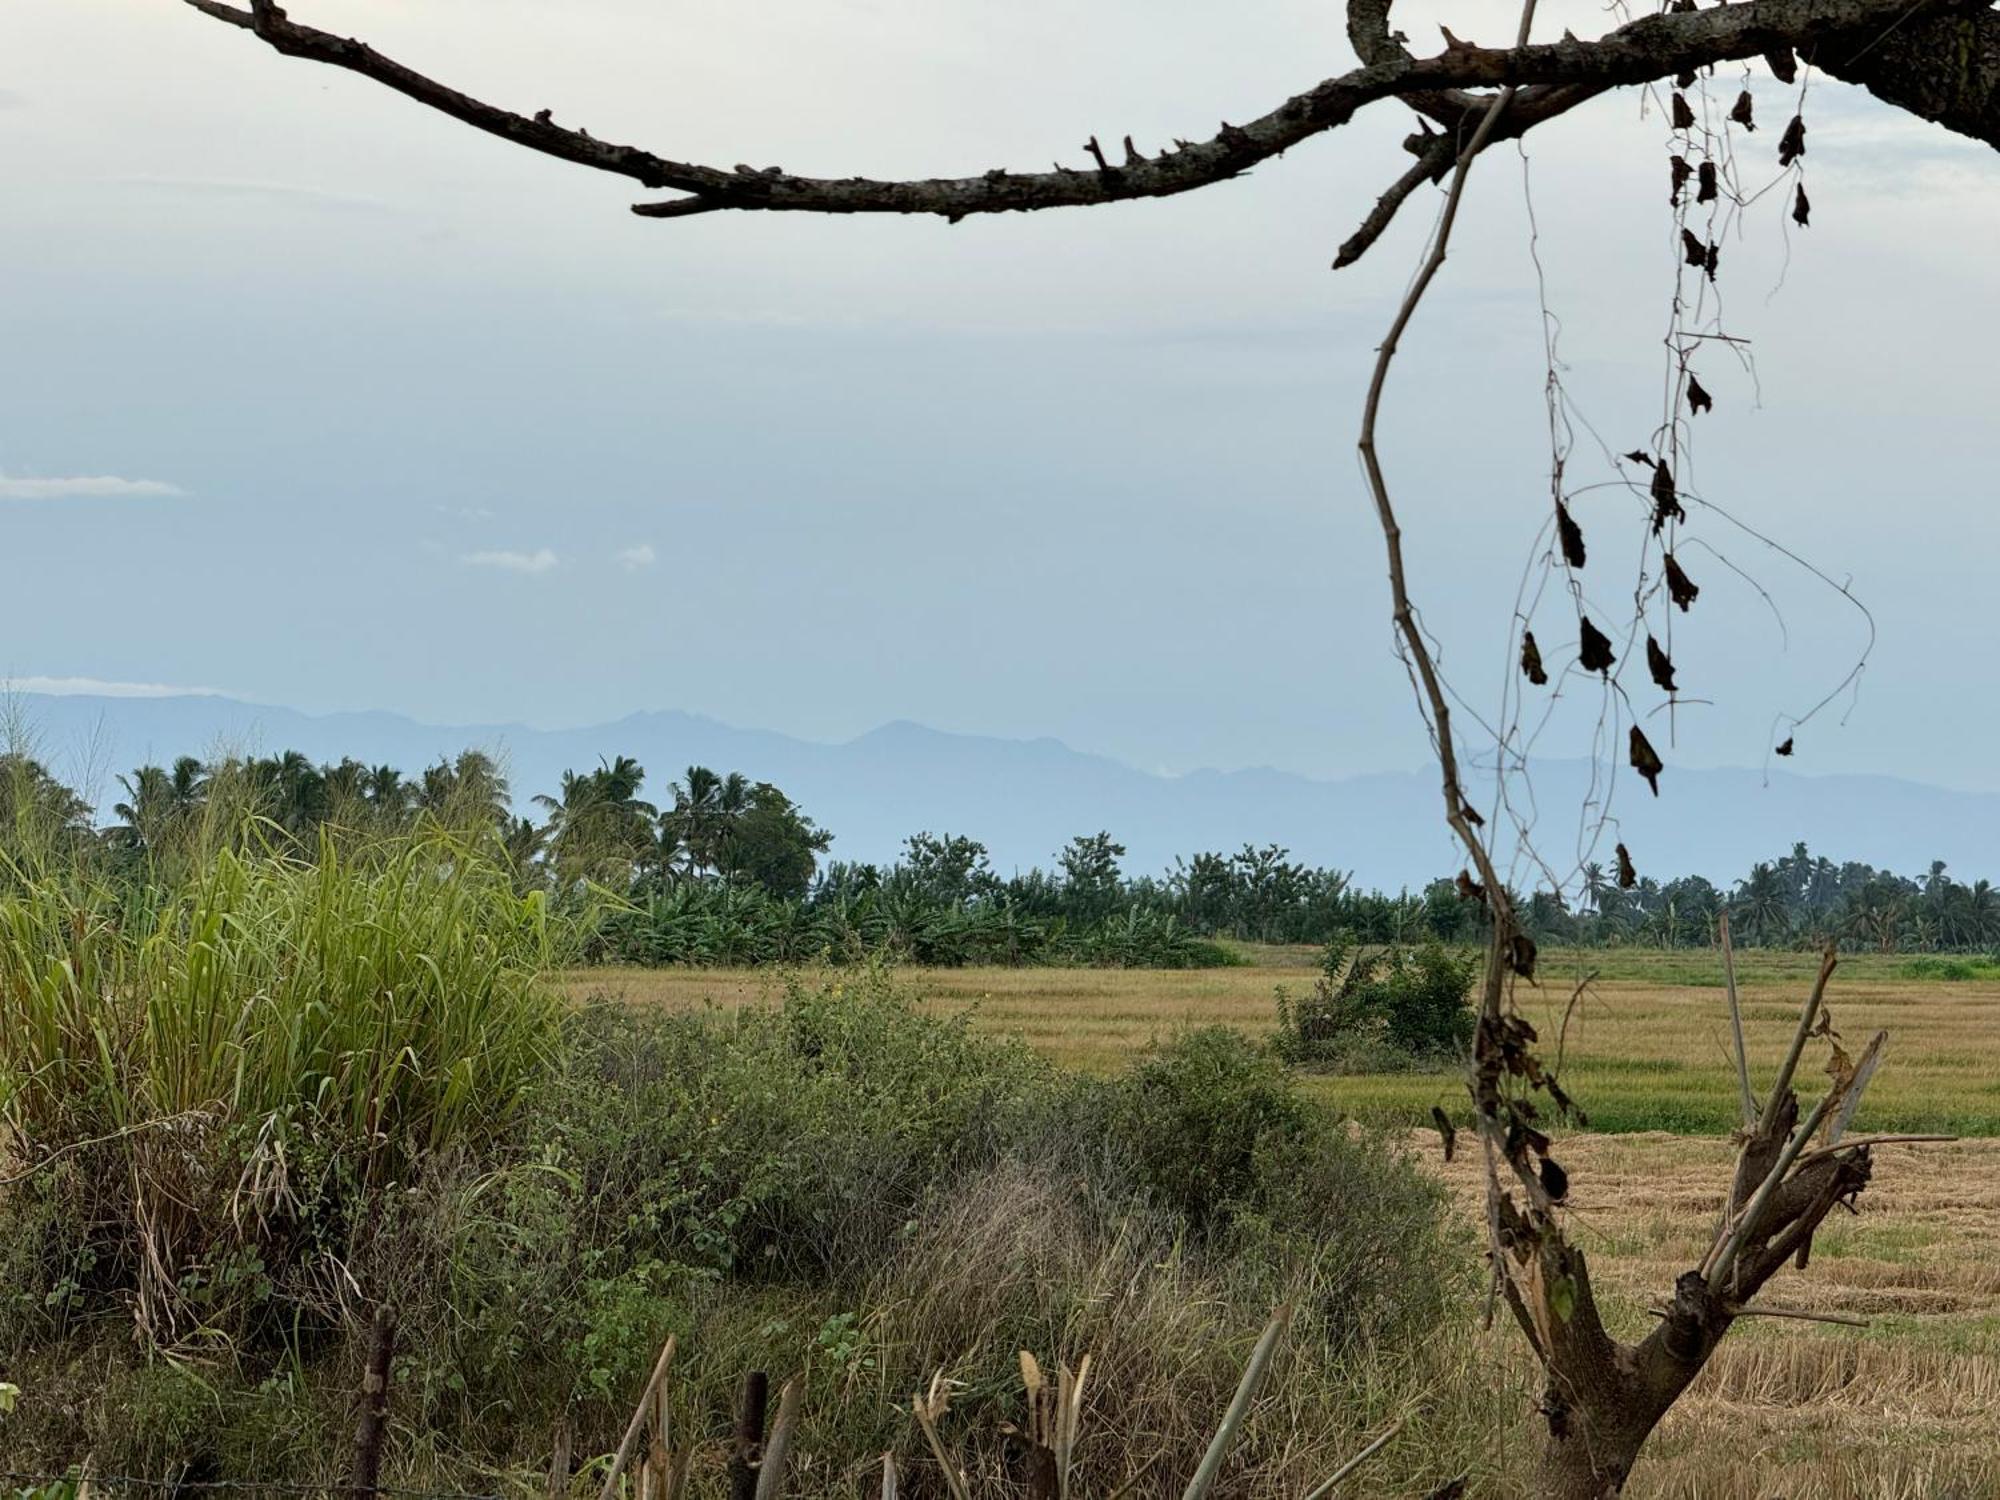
(1749, 1100)
(1321, 1490)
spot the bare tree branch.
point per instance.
(1643, 50)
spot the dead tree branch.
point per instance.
(1557, 76)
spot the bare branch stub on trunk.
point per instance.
(1603, 1398)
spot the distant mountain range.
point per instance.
(1025, 798)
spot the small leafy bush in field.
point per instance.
(1197, 1114)
(1954, 970)
(1376, 1008)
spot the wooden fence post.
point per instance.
(748, 1450)
(373, 1426)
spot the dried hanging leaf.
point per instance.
(1666, 501)
(1645, 759)
(1531, 660)
(1691, 247)
(1792, 144)
(1594, 647)
(1786, 748)
(1801, 207)
(1521, 956)
(1570, 534)
(1705, 190)
(1683, 115)
(1446, 1130)
(1711, 259)
(1555, 1182)
(1471, 814)
(1680, 588)
(1627, 876)
(1636, 457)
(1740, 113)
(1699, 399)
(1470, 889)
(1660, 665)
(1680, 171)
(1784, 67)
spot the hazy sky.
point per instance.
(312, 396)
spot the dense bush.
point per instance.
(220, 1082)
(1376, 1009)
(843, 1180)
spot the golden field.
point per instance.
(1647, 1046)
(1907, 1408)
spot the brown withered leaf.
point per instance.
(1792, 144)
(1446, 1130)
(1471, 814)
(1680, 588)
(1555, 1181)
(1470, 889)
(1711, 258)
(1705, 189)
(1521, 956)
(1679, 170)
(1635, 456)
(1699, 399)
(1570, 534)
(1801, 208)
(1645, 759)
(1742, 111)
(1531, 660)
(1784, 67)
(1627, 876)
(1786, 748)
(1683, 115)
(1691, 247)
(1666, 501)
(1593, 647)
(1660, 665)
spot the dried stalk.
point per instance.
(1749, 1100)
(638, 1422)
(1325, 1486)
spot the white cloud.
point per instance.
(97, 687)
(85, 487)
(640, 556)
(538, 561)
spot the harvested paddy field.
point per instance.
(1646, 1045)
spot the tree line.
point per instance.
(723, 868)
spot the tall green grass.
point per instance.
(272, 1040)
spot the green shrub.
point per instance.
(1953, 970)
(1196, 1113)
(1374, 1008)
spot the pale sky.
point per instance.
(317, 398)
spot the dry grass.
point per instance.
(1646, 1047)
